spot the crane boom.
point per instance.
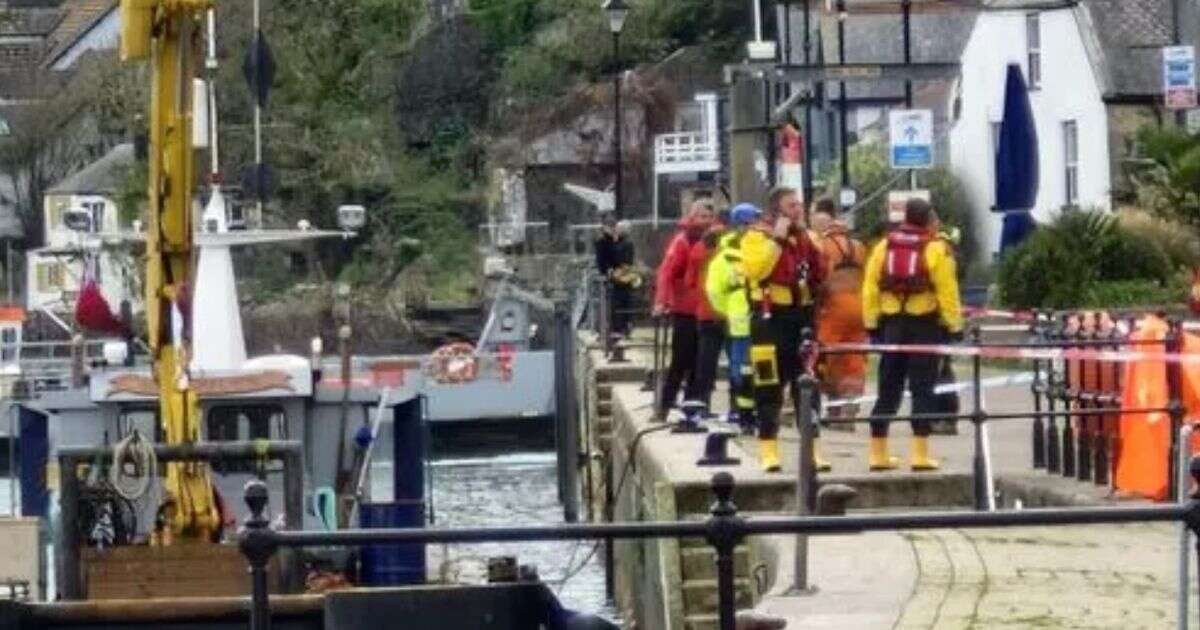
(167, 33)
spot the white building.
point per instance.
(56, 272)
(1068, 108)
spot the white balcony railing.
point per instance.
(688, 151)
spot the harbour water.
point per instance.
(512, 489)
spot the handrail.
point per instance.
(723, 530)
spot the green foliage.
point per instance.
(1084, 258)
(1168, 181)
(1135, 293)
(1179, 242)
(569, 40)
(871, 173)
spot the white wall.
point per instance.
(1068, 92)
(60, 298)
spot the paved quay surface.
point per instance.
(1108, 576)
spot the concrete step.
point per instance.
(700, 622)
(604, 409)
(603, 425)
(700, 596)
(603, 392)
(700, 563)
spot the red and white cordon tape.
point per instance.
(1020, 316)
(1030, 354)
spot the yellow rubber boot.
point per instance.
(921, 461)
(768, 455)
(819, 460)
(879, 459)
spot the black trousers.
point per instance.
(620, 308)
(781, 330)
(683, 358)
(919, 371)
(710, 342)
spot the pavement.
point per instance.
(1110, 576)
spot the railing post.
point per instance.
(1086, 397)
(1175, 406)
(806, 481)
(724, 533)
(1067, 398)
(978, 417)
(1053, 454)
(1185, 533)
(1039, 425)
(258, 545)
(1192, 520)
(605, 317)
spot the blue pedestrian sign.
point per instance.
(911, 133)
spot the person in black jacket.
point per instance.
(615, 261)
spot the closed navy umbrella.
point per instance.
(1016, 162)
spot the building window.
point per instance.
(8, 337)
(1033, 42)
(96, 210)
(49, 276)
(245, 422)
(1071, 161)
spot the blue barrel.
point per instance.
(392, 565)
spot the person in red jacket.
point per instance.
(710, 329)
(673, 297)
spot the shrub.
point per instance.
(1178, 241)
(1085, 258)
(1135, 293)
(871, 173)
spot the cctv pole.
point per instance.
(906, 7)
(843, 103)
(808, 135)
(1177, 39)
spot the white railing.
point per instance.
(688, 150)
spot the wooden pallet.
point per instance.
(185, 570)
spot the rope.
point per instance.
(138, 451)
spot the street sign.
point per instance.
(898, 200)
(1179, 77)
(911, 133)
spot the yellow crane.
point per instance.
(167, 33)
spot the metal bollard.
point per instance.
(258, 545)
(1175, 406)
(724, 534)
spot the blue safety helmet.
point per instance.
(745, 214)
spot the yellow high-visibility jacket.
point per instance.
(943, 299)
(760, 254)
(725, 285)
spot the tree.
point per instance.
(1167, 180)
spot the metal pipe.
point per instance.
(1175, 407)
(618, 198)
(1068, 431)
(843, 103)
(13, 411)
(808, 118)
(197, 451)
(1053, 452)
(1039, 428)
(1185, 534)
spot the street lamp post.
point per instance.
(617, 11)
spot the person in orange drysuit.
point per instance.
(839, 308)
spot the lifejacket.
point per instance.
(905, 271)
(726, 287)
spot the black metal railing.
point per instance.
(1075, 401)
(723, 530)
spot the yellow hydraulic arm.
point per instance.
(167, 33)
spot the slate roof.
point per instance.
(1124, 38)
(105, 175)
(80, 16)
(937, 37)
(28, 21)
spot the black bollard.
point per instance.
(724, 533)
(978, 418)
(1175, 407)
(258, 545)
(1192, 518)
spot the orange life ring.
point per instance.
(454, 363)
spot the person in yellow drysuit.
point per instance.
(910, 296)
(729, 296)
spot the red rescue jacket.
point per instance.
(671, 290)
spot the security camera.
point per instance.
(351, 217)
(78, 220)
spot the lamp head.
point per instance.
(617, 11)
